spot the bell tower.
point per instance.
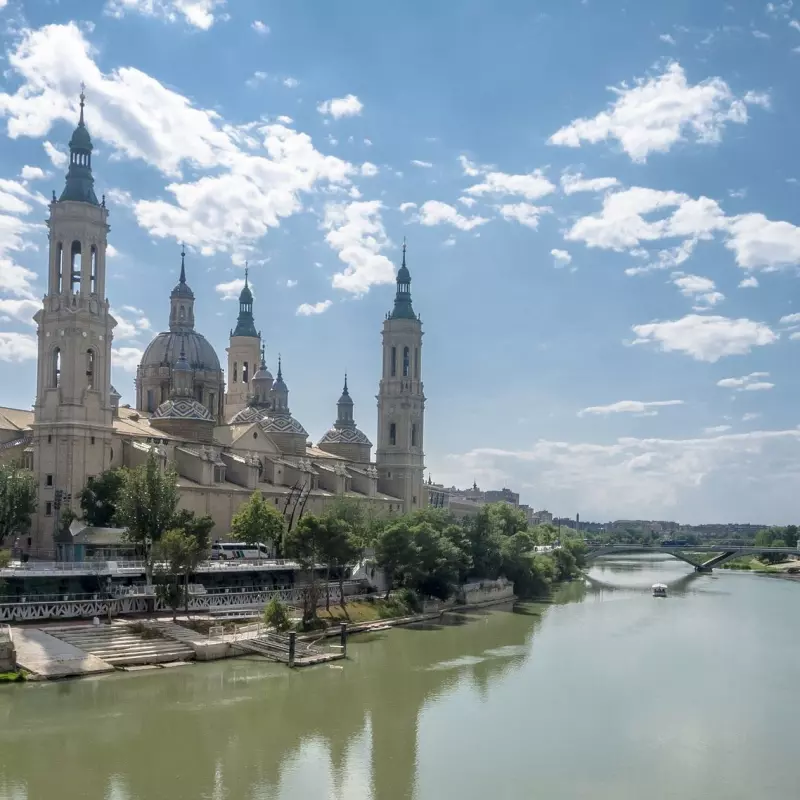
(72, 427)
(244, 353)
(400, 459)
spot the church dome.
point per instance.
(345, 436)
(182, 408)
(165, 350)
(282, 423)
(81, 140)
(247, 415)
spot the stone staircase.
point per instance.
(119, 645)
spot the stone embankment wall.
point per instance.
(8, 657)
(486, 591)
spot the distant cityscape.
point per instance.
(461, 502)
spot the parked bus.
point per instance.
(239, 550)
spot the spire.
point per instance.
(263, 363)
(182, 289)
(80, 183)
(183, 264)
(402, 300)
(181, 300)
(245, 324)
(344, 391)
(280, 370)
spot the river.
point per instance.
(607, 693)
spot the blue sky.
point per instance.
(600, 201)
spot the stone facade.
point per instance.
(223, 448)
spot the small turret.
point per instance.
(80, 183)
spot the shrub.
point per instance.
(5, 558)
(276, 615)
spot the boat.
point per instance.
(659, 590)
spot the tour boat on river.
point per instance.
(659, 590)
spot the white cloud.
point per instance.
(368, 169)
(760, 34)
(231, 289)
(571, 183)
(111, 251)
(291, 83)
(290, 284)
(434, 212)
(284, 120)
(469, 202)
(17, 347)
(131, 322)
(706, 338)
(561, 258)
(56, 156)
(524, 213)
(348, 106)
(717, 429)
(762, 243)
(469, 169)
(198, 13)
(256, 78)
(16, 202)
(126, 358)
(746, 476)
(750, 415)
(790, 319)
(749, 283)
(531, 186)
(747, 383)
(307, 309)
(666, 259)
(629, 407)
(423, 164)
(29, 173)
(260, 27)
(668, 38)
(450, 241)
(701, 290)
(657, 112)
(19, 309)
(403, 207)
(355, 231)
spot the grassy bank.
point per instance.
(12, 677)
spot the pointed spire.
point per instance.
(344, 391)
(246, 271)
(404, 251)
(83, 102)
(183, 263)
(263, 358)
(402, 300)
(280, 370)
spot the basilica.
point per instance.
(227, 433)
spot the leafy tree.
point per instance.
(258, 521)
(276, 615)
(436, 563)
(305, 543)
(764, 538)
(565, 564)
(394, 551)
(509, 520)
(146, 506)
(99, 498)
(17, 500)
(179, 552)
(790, 535)
(518, 564)
(482, 531)
(199, 528)
(5, 559)
(339, 549)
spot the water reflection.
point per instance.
(247, 728)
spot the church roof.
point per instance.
(183, 408)
(282, 423)
(248, 414)
(80, 183)
(165, 350)
(402, 300)
(345, 436)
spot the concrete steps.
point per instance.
(117, 644)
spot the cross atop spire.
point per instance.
(280, 371)
(183, 263)
(246, 271)
(344, 391)
(83, 102)
(404, 251)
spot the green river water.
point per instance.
(607, 693)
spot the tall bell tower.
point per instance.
(72, 427)
(400, 459)
(244, 354)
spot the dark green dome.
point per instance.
(80, 138)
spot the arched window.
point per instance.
(244, 372)
(413, 434)
(93, 275)
(211, 400)
(406, 362)
(392, 434)
(198, 394)
(182, 312)
(90, 367)
(235, 372)
(416, 363)
(75, 266)
(151, 400)
(59, 265)
(55, 377)
(394, 361)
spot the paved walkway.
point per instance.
(48, 657)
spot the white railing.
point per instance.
(31, 610)
(138, 567)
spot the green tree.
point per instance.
(177, 554)
(99, 498)
(482, 531)
(509, 520)
(199, 528)
(17, 501)
(146, 506)
(436, 562)
(276, 615)
(339, 550)
(790, 535)
(764, 538)
(305, 544)
(257, 521)
(394, 551)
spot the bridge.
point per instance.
(689, 553)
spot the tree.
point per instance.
(17, 501)
(436, 563)
(99, 499)
(146, 506)
(258, 521)
(394, 551)
(276, 615)
(305, 544)
(199, 528)
(483, 534)
(764, 538)
(510, 520)
(339, 549)
(179, 551)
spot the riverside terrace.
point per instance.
(72, 580)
